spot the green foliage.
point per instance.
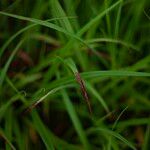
(61, 59)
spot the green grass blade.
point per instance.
(110, 40)
(118, 19)
(114, 126)
(49, 25)
(6, 140)
(133, 122)
(70, 63)
(5, 45)
(107, 17)
(20, 137)
(8, 127)
(114, 73)
(70, 9)
(98, 74)
(97, 95)
(97, 18)
(5, 69)
(22, 98)
(43, 23)
(42, 130)
(59, 12)
(146, 145)
(13, 37)
(114, 134)
(37, 21)
(35, 103)
(75, 119)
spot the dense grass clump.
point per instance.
(74, 74)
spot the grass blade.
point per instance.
(97, 18)
(45, 96)
(116, 135)
(42, 130)
(75, 119)
(7, 140)
(110, 40)
(4, 71)
(98, 74)
(23, 30)
(146, 145)
(43, 23)
(97, 95)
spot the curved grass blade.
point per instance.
(4, 70)
(133, 122)
(45, 96)
(119, 73)
(21, 31)
(110, 40)
(13, 37)
(88, 26)
(46, 24)
(22, 98)
(53, 26)
(5, 106)
(98, 74)
(114, 126)
(112, 133)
